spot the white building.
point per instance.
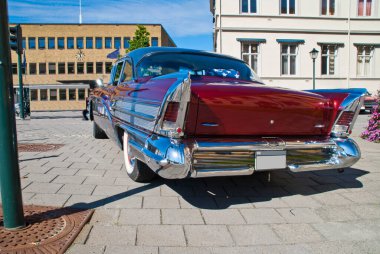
(276, 36)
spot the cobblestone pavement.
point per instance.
(319, 212)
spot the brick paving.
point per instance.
(319, 212)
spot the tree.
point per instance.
(140, 40)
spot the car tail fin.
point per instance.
(346, 118)
(349, 108)
(171, 120)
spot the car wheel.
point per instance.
(136, 170)
(97, 132)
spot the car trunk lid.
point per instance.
(231, 108)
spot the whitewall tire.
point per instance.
(136, 170)
(127, 158)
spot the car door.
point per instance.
(130, 104)
(103, 104)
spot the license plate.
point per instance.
(266, 160)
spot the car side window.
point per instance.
(127, 73)
(116, 73)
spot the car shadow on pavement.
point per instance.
(224, 192)
(116, 197)
(38, 158)
(56, 117)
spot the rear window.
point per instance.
(196, 64)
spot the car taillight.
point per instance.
(171, 112)
(346, 118)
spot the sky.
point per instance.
(188, 22)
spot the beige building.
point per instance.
(63, 59)
(276, 36)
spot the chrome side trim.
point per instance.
(138, 101)
(136, 114)
(132, 111)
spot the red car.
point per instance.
(184, 113)
(370, 102)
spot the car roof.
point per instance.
(140, 53)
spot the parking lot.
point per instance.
(319, 212)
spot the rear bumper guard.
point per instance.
(174, 159)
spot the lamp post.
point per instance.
(314, 55)
(9, 170)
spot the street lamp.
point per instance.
(314, 55)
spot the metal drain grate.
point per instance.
(49, 230)
(29, 147)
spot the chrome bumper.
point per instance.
(173, 159)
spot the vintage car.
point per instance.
(181, 113)
(370, 102)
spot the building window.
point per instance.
(154, 41)
(72, 94)
(62, 94)
(51, 43)
(99, 67)
(365, 56)
(33, 94)
(42, 68)
(61, 68)
(70, 68)
(288, 6)
(89, 68)
(108, 42)
(53, 94)
(328, 7)
(288, 59)
(80, 68)
(364, 7)
(329, 53)
(43, 95)
(89, 42)
(248, 6)
(117, 42)
(52, 69)
(79, 42)
(99, 42)
(23, 42)
(70, 42)
(81, 94)
(32, 43)
(108, 67)
(32, 68)
(126, 42)
(61, 43)
(14, 68)
(250, 54)
(41, 43)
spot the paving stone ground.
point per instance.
(318, 212)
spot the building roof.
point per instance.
(85, 24)
(99, 24)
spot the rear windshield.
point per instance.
(196, 64)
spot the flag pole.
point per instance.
(80, 11)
